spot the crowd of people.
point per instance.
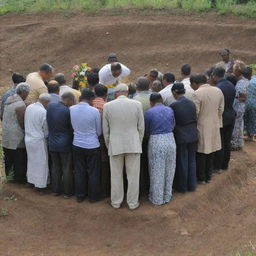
(153, 136)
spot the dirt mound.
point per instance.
(142, 42)
(217, 219)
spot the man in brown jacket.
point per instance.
(36, 81)
(209, 101)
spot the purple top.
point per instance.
(159, 120)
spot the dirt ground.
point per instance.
(218, 219)
(143, 42)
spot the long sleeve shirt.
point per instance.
(86, 123)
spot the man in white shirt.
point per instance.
(112, 74)
(166, 93)
(185, 73)
(36, 132)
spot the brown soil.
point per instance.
(142, 42)
(218, 219)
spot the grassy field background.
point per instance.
(245, 8)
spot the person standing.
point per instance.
(54, 90)
(17, 79)
(186, 137)
(159, 124)
(101, 92)
(226, 62)
(112, 74)
(237, 141)
(86, 123)
(222, 157)
(143, 92)
(185, 73)
(123, 129)
(166, 93)
(13, 133)
(36, 132)
(60, 144)
(209, 102)
(250, 113)
(37, 81)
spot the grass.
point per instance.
(247, 9)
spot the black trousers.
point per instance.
(144, 173)
(16, 160)
(62, 178)
(87, 163)
(185, 175)
(204, 165)
(222, 157)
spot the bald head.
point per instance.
(53, 87)
(121, 89)
(60, 78)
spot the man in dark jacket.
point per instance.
(185, 133)
(60, 144)
(222, 156)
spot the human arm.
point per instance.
(221, 110)
(197, 103)
(105, 124)
(20, 113)
(141, 122)
(98, 123)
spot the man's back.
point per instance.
(186, 120)
(35, 121)
(86, 122)
(37, 87)
(123, 126)
(229, 93)
(60, 129)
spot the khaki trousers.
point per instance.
(132, 165)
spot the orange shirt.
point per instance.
(99, 103)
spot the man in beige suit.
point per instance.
(123, 129)
(209, 101)
(36, 81)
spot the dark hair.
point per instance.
(186, 70)
(116, 66)
(18, 78)
(231, 78)
(169, 77)
(60, 78)
(92, 79)
(96, 70)
(178, 88)
(46, 68)
(87, 94)
(154, 73)
(198, 79)
(247, 72)
(219, 72)
(100, 90)
(68, 95)
(156, 97)
(142, 84)
(75, 84)
(209, 71)
(53, 87)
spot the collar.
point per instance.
(83, 103)
(121, 97)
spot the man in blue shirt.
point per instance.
(60, 144)
(222, 156)
(86, 122)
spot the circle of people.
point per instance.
(165, 134)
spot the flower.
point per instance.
(82, 73)
(73, 75)
(82, 84)
(75, 68)
(84, 64)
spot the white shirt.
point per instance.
(106, 77)
(167, 96)
(188, 88)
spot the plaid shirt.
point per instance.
(99, 103)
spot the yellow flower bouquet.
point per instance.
(80, 73)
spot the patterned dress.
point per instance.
(237, 141)
(159, 123)
(250, 108)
